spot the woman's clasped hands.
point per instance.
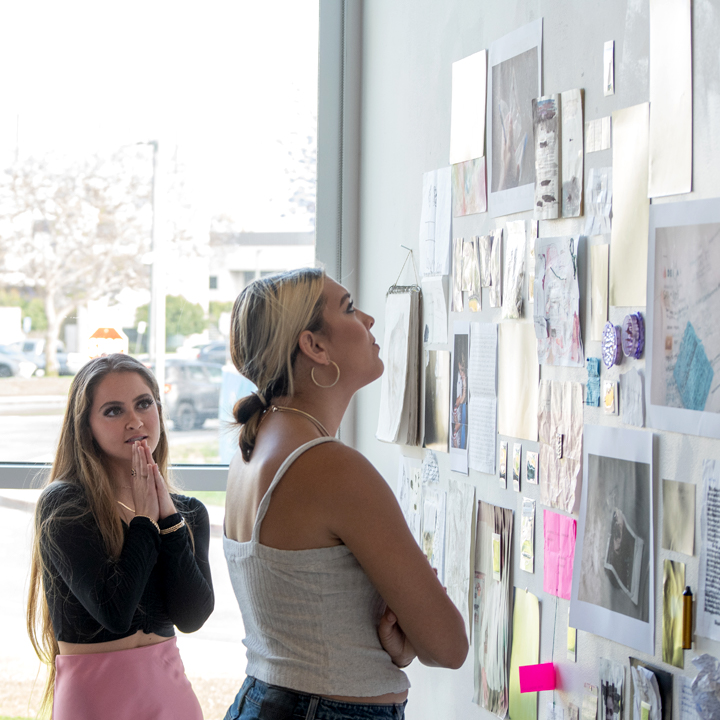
(151, 498)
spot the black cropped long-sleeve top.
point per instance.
(158, 582)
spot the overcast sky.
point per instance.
(223, 81)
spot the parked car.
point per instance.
(214, 352)
(191, 393)
(15, 363)
(34, 350)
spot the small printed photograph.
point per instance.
(460, 393)
(610, 399)
(503, 463)
(531, 467)
(517, 457)
(437, 400)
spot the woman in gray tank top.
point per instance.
(335, 594)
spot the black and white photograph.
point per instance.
(612, 592)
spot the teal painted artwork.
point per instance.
(693, 372)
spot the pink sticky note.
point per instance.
(534, 678)
(560, 532)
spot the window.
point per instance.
(213, 282)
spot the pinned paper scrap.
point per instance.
(610, 403)
(535, 678)
(592, 397)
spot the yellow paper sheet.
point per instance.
(598, 290)
(631, 207)
(518, 374)
(670, 170)
(672, 619)
(525, 651)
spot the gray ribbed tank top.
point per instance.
(310, 616)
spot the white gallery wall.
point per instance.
(408, 47)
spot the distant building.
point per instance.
(236, 259)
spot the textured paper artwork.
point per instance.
(672, 621)
(598, 290)
(557, 302)
(525, 651)
(485, 243)
(437, 399)
(628, 254)
(433, 529)
(482, 384)
(518, 374)
(456, 304)
(467, 116)
(612, 682)
(609, 68)
(631, 392)
(459, 399)
(517, 460)
(515, 80)
(471, 274)
(597, 134)
(527, 536)
(531, 467)
(682, 343)
(469, 189)
(687, 701)
(560, 533)
(514, 270)
(435, 310)
(496, 269)
(571, 135)
(706, 687)
(560, 428)
(546, 132)
(531, 260)
(592, 397)
(614, 555)
(598, 202)
(678, 517)
(459, 532)
(670, 98)
(410, 494)
(436, 222)
(503, 463)
(708, 596)
(491, 609)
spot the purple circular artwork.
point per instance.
(611, 350)
(633, 335)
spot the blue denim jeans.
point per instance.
(259, 701)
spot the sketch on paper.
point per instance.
(546, 130)
(598, 205)
(612, 681)
(433, 529)
(437, 399)
(436, 222)
(459, 418)
(557, 302)
(410, 495)
(496, 269)
(571, 136)
(514, 270)
(514, 85)
(459, 532)
(485, 243)
(491, 607)
(434, 310)
(471, 274)
(615, 569)
(560, 414)
(395, 355)
(469, 189)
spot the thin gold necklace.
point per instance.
(125, 506)
(314, 420)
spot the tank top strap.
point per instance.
(265, 502)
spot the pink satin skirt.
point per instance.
(146, 683)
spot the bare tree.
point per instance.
(76, 232)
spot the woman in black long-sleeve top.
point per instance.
(118, 560)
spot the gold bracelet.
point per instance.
(172, 529)
(157, 527)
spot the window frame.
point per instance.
(336, 234)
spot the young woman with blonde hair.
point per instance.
(118, 561)
(317, 547)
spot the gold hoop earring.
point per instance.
(312, 375)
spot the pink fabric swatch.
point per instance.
(560, 533)
(534, 678)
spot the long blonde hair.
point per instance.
(267, 319)
(79, 462)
